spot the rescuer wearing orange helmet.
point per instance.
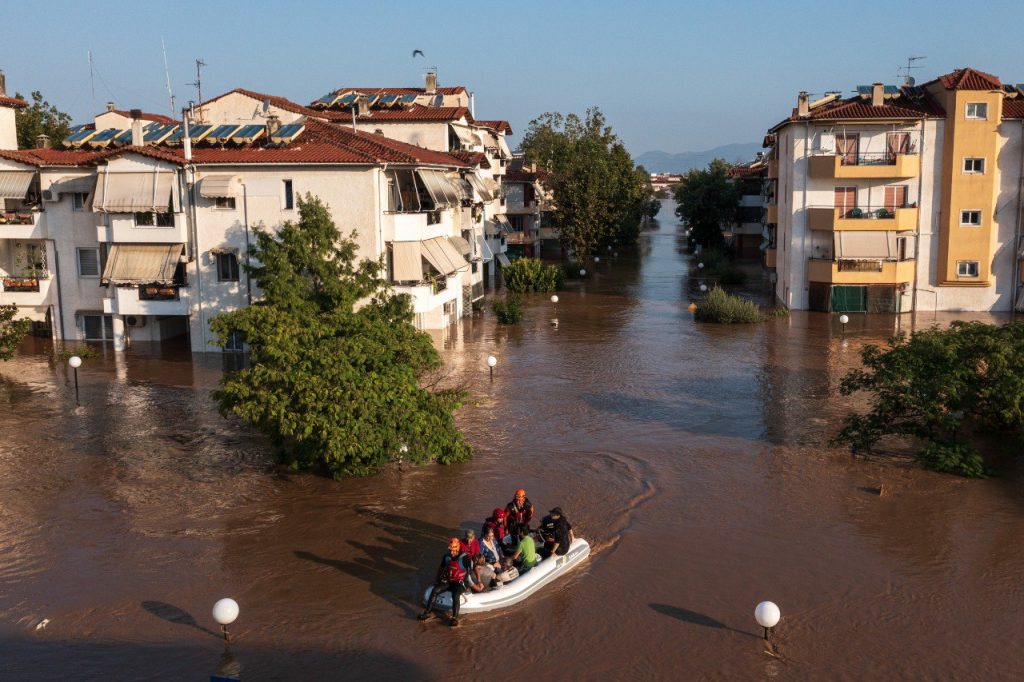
(519, 512)
(451, 576)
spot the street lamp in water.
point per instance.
(844, 320)
(75, 362)
(491, 362)
(767, 615)
(225, 611)
(554, 299)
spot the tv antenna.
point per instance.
(92, 80)
(167, 77)
(905, 72)
(198, 84)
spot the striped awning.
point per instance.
(15, 184)
(133, 192)
(142, 263)
(443, 256)
(217, 186)
(461, 245)
(406, 262)
(478, 184)
(440, 189)
(506, 153)
(466, 135)
(70, 184)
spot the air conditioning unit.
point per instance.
(135, 321)
(51, 195)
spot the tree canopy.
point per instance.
(12, 331)
(336, 365)
(944, 388)
(38, 118)
(707, 199)
(599, 194)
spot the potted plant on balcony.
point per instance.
(883, 214)
(856, 213)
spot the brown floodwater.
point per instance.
(693, 457)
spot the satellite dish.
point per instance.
(266, 105)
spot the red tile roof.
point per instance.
(969, 79)
(275, 101)
(913, 103)
(78, 157)
(455, 90)
(157, 118)
(13, 102)
(417, 113)
(1013, 107)
(498, 126)
(472, 158)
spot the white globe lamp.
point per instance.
(554, 299)
(767, 615)
(225, 612)
(491, 362)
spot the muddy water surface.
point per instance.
(692, 457)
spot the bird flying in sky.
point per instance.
(417, 52)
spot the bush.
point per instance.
(61, 354)
(718, 264)
(526, 275)
(509, 311)
(954, 458)
(724, 308)
(779, 312)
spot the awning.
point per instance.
(440, 190)
(406, 261)
(133, 192)
(478, 184)
(466, 136)
(864, 244)
(492, 186)
(487, 255)
(445, 258)
(503, 224)
(74, 185)
(217, 186)
(503, 260)
(142, 263)
(506, 153)
(461, 245)
(463, 188)
(15, 184)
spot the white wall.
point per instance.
(8, 130)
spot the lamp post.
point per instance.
(597, 259)
(75, 363)
(843, 320)
(703, 288)
(491, 362)
(700, 266)
(554, 298)
(225, 611)
(767, 615)
(583, 273)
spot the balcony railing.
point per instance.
(873, 158)
(849, 265)
(13, 284)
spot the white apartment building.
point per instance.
(900, 198)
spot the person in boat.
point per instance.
(470, 545)
(497, 521)
(519, 512)
(556, 532)
(451, 577)
(491, 549)
(482, 577)
(525, 556)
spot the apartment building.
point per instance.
(746, 235)
(899, 198)
(528, 207)
(141, 234)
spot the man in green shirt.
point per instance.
(525, 557)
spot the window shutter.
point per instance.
(88, 262)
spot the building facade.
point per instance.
(899, 198)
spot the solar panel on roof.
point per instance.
(80, 127)
(348, 99)
(80, 136)
(407, 99)
(248, 133)
(387, 100)
(438, 101)
(223, 133)
(327, 100)
(103, 138)
(123, 137)
(157, 134)
(287, 133)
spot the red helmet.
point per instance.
(499, 514)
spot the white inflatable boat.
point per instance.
(519, 589)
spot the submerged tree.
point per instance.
(598, 193)
(40, 118)
(336, 365)
(12, 331)
(707, 200)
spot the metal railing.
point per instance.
(873, 158)
(867, 212)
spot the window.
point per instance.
(235, 343)
(227, 267)
(974, 165)
(98, 327)
(967, 268)
(154, 219)
(225, 203)
(289, 196)
(977, 110)
(78, 200)
(971, 218)
(89, 262)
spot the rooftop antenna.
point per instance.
(198, 84)
(92, 80)
(904, 72)
(167, 76)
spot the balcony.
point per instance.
(860, 271)
(770, 258)
(878, 165)
(825, 218)
(417, 227)
(22, 225)
(773, 168)
(148, 300)
(124, 229)
(772, 214)
(26, 291)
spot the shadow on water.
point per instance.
(173, 614)
(696, 618)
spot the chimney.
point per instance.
(110, 106)
(137, 139)
(43, 141)
(803, 108)
(3, 84)
(431, 82)
(877, 94)
(533, 167)
(273, 125)
(363, 103)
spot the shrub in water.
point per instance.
(526, 275)
(953, 458)
(725, 308)
(509, 311)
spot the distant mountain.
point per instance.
(663, 162)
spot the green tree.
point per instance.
(12, 331)
(707, 200)
(944, 388)
(336, 367)
(38, 118)
(598, 192)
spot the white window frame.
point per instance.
(229, 204)
(235, 344)
(75, 205)
(972, 160)
(103, 326)
(968, 223)
(975, 117)
(99, 261)
(237, 268)
(977, 269)
(287, 183)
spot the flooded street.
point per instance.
(693, 457)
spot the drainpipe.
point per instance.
(245, 217)
(60, 298)
(917, 226)
(803, 213)
(193, 218)
(1016, 233)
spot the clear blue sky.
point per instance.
(675, 76)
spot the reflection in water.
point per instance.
(693, 457)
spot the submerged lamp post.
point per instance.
(843, 320)
(491, 362)
(700, 266)
(225, 611)
(767, 615)
(703, 288)
(597, 259)
(583, 273)
(554, 299)
(75, 363)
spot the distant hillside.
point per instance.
(663, 162)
